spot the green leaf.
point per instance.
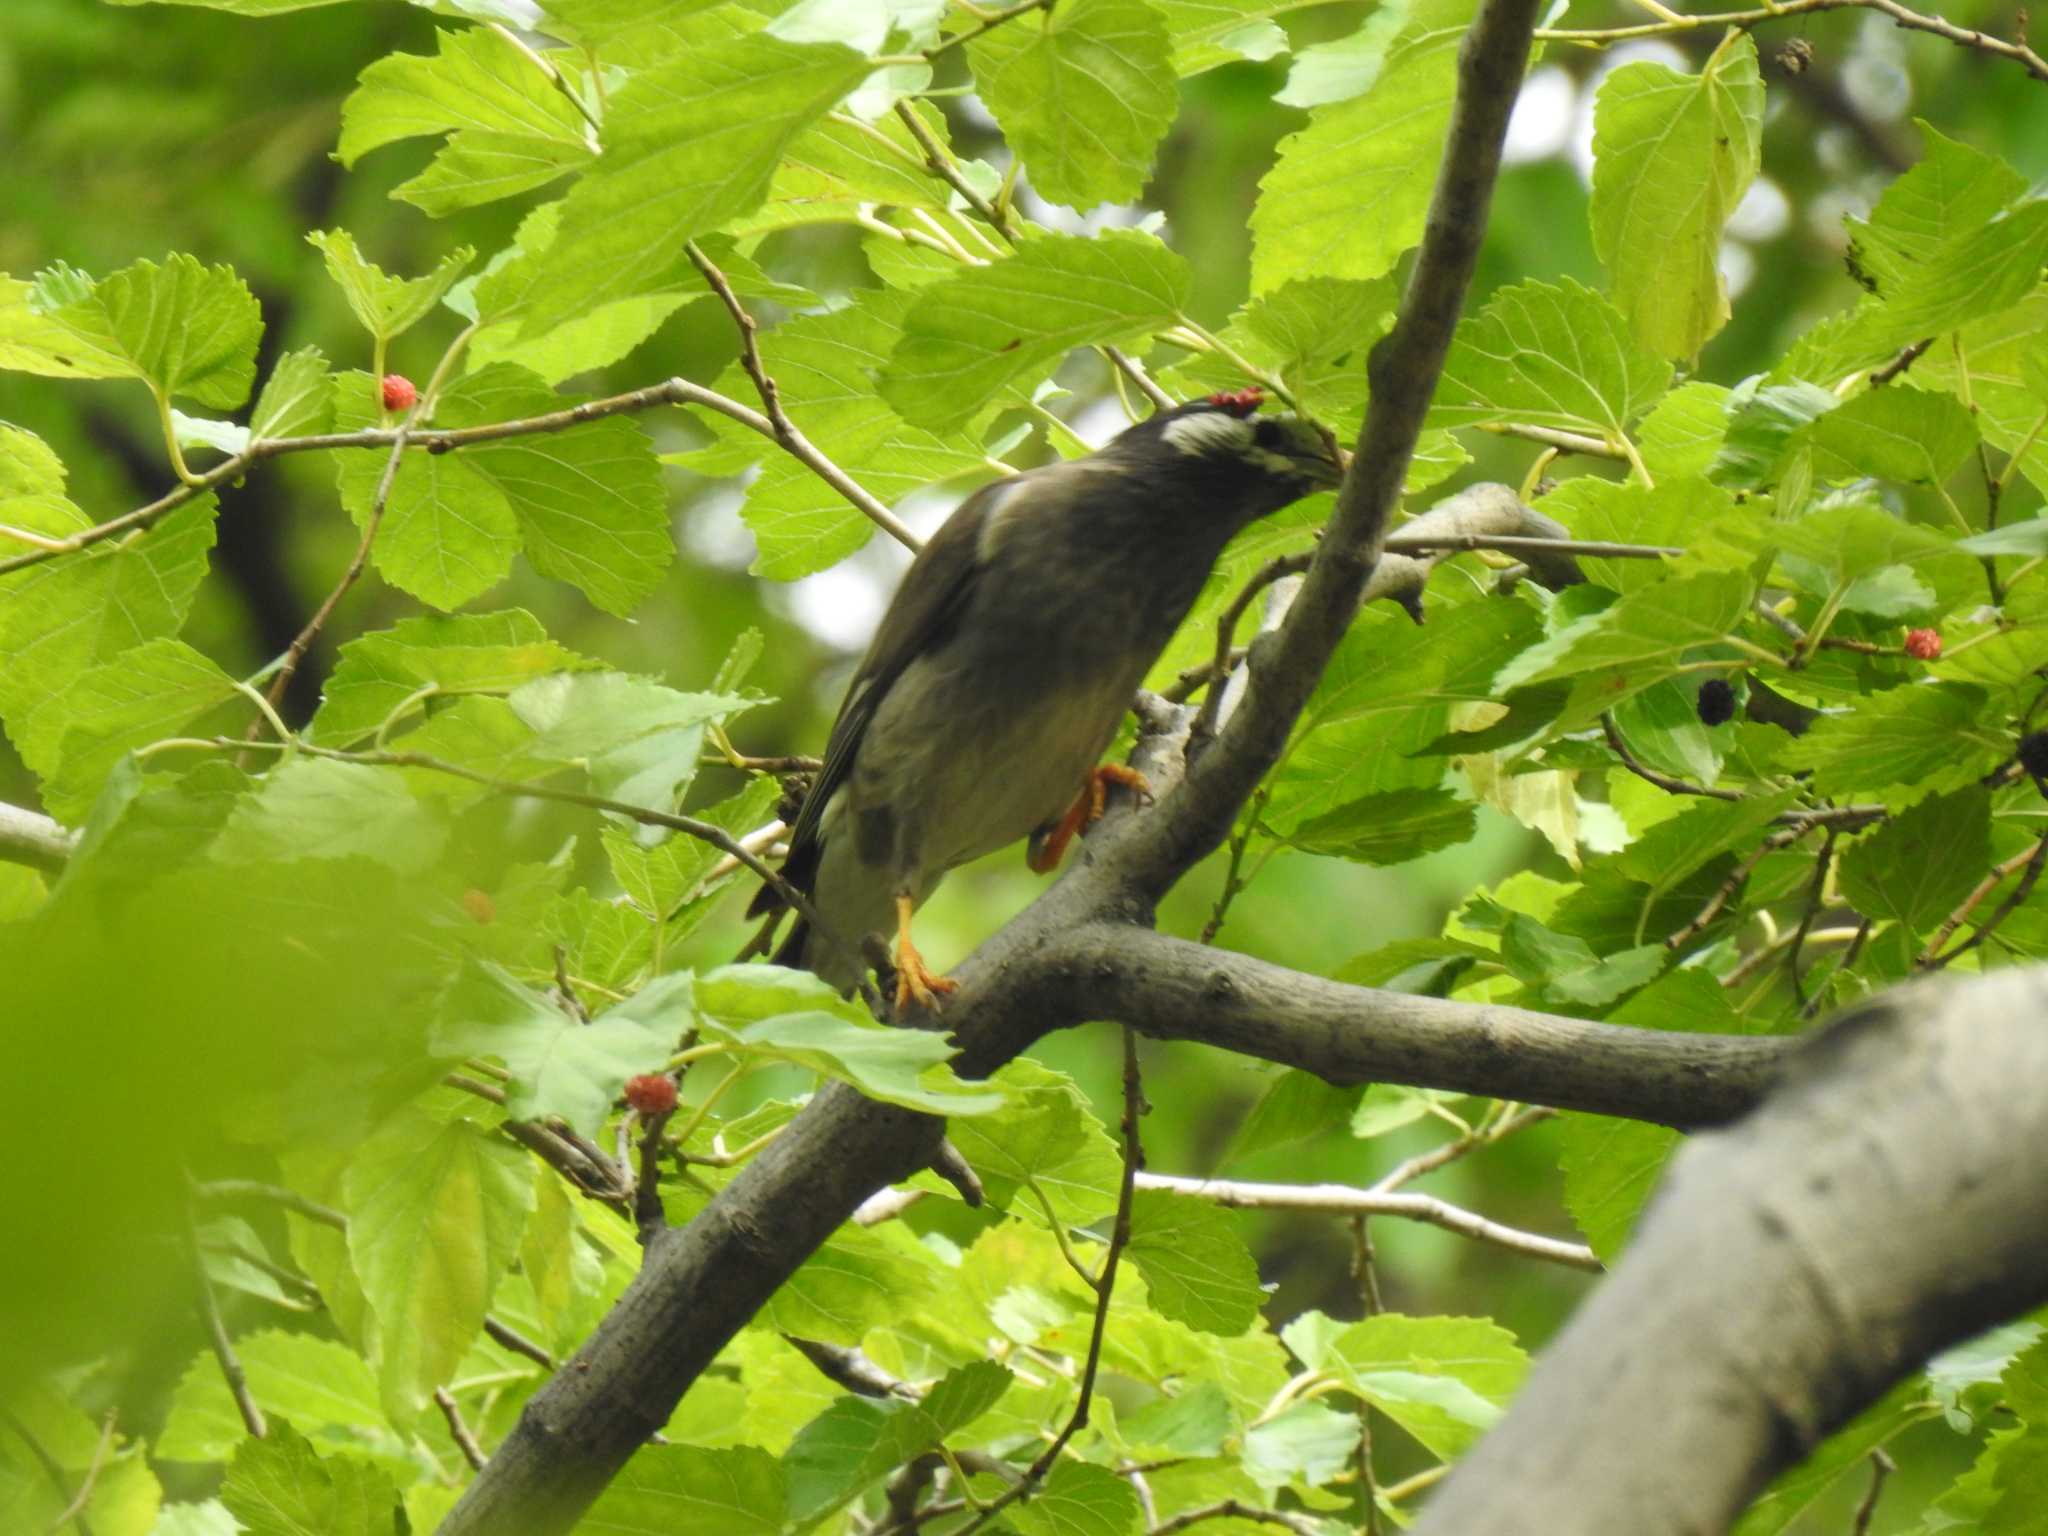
(1672, 155)
(825, 367)
(1952, 191)
(1304, 1444)
(828, 1034)
(388, 306)
(1207, 33)
(1548, 355)
(1647, 632)
(141, 696)
(1445, 1380)
(1912, 436)
(1392, 828)
(1349, 192)
(510, 128)
(1980, 271)
(1903, 745)
(1916, 867)
(1294, 1106)
(1083, 94)
(858, 1279)
(858, 1440)
(313, 1382)
(967, 339)
(1565, 969)
(663, 877)
(1045, 1137)
(1196, 1267)
(278, 1487)
(1682, 435)
(638, 741)
(588, 500)
(316, 808)
(187, 331)
(433, 657)
(560, 1064)
(1079, 1498)
(690, 143)
(1610, 1168)
(435, 1209)
(664, 1488)
(1847, 1450)
(835, 167)
(297, 399)
(448, 533)
(62, 617)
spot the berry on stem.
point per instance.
(1923, 644)
(399, 393)
(650, 1094)
(2033, 753)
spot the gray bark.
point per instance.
(1882, 1204)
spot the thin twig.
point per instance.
(669, 392)
(648, 1215)
(1345, 1200)
(31, 838)
(512, 1339)
(223, 1347)
(1235, 1509)
(2027, 865)
(83, 1497)
(1480, 1136)
(1552, 437)
(1821, 865)
(459, 1431)
(1881, 1467)
(1912, 20)
(44, 1459)
(1735, 881)
(850, 1368)
(988, 24)
(1645, 772)
(276, 1194)
(1119, 1237)
(1898, 365)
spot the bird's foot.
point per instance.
(915, 981)
(1043, 853)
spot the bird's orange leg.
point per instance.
(1044, 854)
(915, 979)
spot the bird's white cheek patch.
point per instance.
(1208, 432)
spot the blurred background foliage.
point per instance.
(129, 133)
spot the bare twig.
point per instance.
(518, 1343)
(223, 1347)
(83, 1497)
(1649, 775)
(1344, 1200)
(1821, 865)
(1552, 437)
(276, 1194)
(1881, 1467)
(988, 24)
(1967, 37)
(459, 1431)
(1236, 1509)
(1735, 881)
(1482, 1135)
(1105, 1286)
(2027, 865)
(648, 1215)
(669, 392)
(850, 1368)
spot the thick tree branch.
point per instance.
(1403, 369)
(1877, 1208)
(700, 1284)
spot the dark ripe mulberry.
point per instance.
(1716, 703)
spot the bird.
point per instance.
(1005, 662)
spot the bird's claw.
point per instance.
(1044, 854)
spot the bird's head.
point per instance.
(1223, 441)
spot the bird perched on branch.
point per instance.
(1006, 661)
